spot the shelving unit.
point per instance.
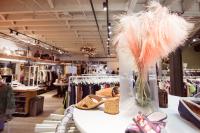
(32, 75)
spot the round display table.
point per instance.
(60, 89)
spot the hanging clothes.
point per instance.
(72, 94)
(81, 86)
(86, 90)
(94, 88)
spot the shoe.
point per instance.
(93, 101)
(108, 92)
(145, 124)
(190, 111)
(89, 102)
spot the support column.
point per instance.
(176, 73)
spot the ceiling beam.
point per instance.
(37, 3)
(54, 28)
(51, 23)
(45, 25)
(58, 33)
(74, 34)
(51, 17)
(51, 3)
(16, 7)
(57, 15)
(64, 37)
(3, 17)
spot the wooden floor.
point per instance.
(26, 124)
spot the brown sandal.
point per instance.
(89, 102)
(93, 101)
(108, 92)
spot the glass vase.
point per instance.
(142, 92)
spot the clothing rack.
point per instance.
(99, 75)
(93, 79)
(43, 74)
(191, 77)
(187, 80)
(184, 77)
(87, 80)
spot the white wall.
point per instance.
(77, 57)
(191, 57)
(112, 63)
(7, 44)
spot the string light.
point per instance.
(109, 25)
(194, 40)
(104, 6)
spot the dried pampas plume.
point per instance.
(152, 35)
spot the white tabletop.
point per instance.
(96, 121)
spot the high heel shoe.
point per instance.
(108, 92)
(190, 110)
(145, 124)
(93, 101)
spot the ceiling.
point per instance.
(70, 24)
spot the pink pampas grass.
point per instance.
(153, 34)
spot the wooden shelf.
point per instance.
(25, 58)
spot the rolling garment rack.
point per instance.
(89, 80)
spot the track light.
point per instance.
(30, 40)
(11, 31)
(194, 40)
(109, 25)
(110, 32)
(104, 6)
(108, 39)
(37, 42)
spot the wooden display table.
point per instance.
(23, 95)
